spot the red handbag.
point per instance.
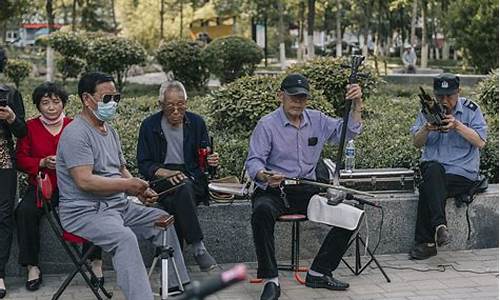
(44, 189)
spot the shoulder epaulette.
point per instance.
(470, 105)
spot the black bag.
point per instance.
(479, 186)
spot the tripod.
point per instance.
(358, 266)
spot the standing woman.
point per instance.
(11, 124)
(36, 152)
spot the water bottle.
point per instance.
(350, 154)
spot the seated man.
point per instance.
(288, 142)
(168, 146)
(449, 162)
(409, 59)
(94, 183)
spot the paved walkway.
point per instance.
(406, 284)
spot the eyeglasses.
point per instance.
(115, 97)
(178, 106)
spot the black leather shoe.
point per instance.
(3, 292)
(442, 236)
(423, 251)
(33, 285)
(271, 291)
(97, 282)
(326, 282)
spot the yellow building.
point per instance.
(206, 21)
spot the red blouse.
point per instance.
(36, 145)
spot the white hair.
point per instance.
(169, 85)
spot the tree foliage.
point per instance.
(69, 44)
(232, 57)
(330, 78)
(115, 55)
(185, 60)
(474, 25)
(17, 70)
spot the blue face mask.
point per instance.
(106, 111)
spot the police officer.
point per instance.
(449, 162)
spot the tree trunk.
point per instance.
(265, 41)
(365, 42)
(413, 37)
(182, 19)
(162, 14)
(113, 14)
(425, 45)
(338, 32)
(446, 44)
(281, 35)
(73, 16)
(50, 51)
(3, 32)
(311, 13)
(301, 50)
(446, 49)
(366, 26)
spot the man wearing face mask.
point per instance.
(449, 162)
(94, 183)
(168, 147)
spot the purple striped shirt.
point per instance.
(279, 146)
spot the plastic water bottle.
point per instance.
(350, 154)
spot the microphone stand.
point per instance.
(358, 266)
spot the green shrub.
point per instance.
(237, 107)
(69, 44)
(17, 70)
(328, 76)
(233, 151)
(385, 141)
(185, 60)
(488, 93)
(466, 21)
(115, 55)
(232, 57)
(489, 155)
(70, 67)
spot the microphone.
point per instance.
(350, 196)
(200, 290)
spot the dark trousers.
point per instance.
(181, 203)
(267, 206)
(28, 217)
(433, 191)
(8, 185)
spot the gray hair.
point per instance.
(171, 84)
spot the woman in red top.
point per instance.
(37, 152)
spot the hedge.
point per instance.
(237, 107)
(488, 93)
(184, 59)
(329, 77)
(17, 70)
(385, 141)
(232, 57)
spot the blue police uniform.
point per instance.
(457, 155)
(449, 167)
